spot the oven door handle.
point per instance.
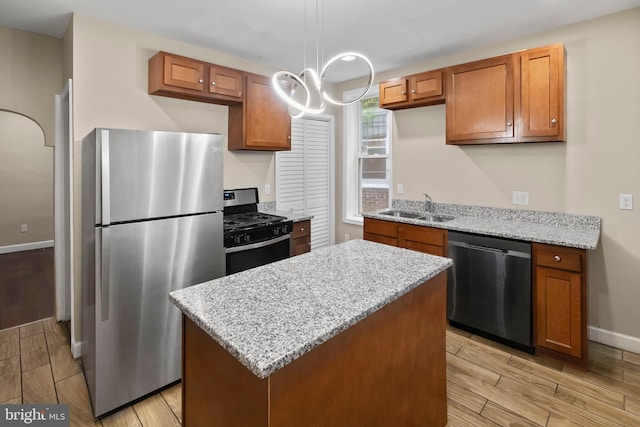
(257, 245)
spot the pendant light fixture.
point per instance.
(304, 92)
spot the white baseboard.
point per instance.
(614, 339)
(76, 348)
(26, 246)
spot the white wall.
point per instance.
(109, 70)
(26, 181)
(582, 176)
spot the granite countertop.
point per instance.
(270, 207)
(269, 316)
(577, 231)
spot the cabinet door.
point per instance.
(559, 296)
(268, 124)
(393, 91)
(183, 73)
(480, 100)
(226, 81)
(423, 239)
(542, 94)
(426, 85)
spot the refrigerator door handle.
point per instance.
(104, 275)
(106, 177)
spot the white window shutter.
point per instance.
(303, 177)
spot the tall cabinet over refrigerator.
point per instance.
(151, 223)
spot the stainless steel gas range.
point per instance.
(252, 238)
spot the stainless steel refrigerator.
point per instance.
(151, 223)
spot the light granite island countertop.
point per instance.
(358, 320)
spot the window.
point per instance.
(367, 153)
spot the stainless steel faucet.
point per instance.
(427, 203)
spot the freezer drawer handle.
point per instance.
(104, 279)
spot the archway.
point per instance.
(26, 221)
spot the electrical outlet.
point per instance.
(24, 228)
(267, 189)
(400, 189)
(626, 201)
(346, 237)
(520, 198)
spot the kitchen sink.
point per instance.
(403, 214)
(417, 215)
(438, 218)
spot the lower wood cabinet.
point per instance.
(301, 238)
(560, 303)
(415, 237)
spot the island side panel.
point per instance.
(388, 369)
(217, 390)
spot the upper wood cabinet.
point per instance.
(542, 94)
(226, 81)
(262, 121)
(412, 91)
(480, 101)
(512, 98)
(186, 78)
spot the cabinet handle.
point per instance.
(289, 137)
(403, 92)
(301, 229)
(557, 258)
(213, 83)
(200, 80)
(509, 124)
(554, 121)
(413, 91)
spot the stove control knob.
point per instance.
(236, 239)
(246, 237)
(276, 231)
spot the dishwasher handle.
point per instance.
(507, 252)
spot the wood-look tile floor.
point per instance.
(488, 384)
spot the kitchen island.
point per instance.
(352, 334)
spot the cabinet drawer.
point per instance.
(428, 235)
(301, 229)
(559, 257)
(383, 228)
(391, 241)
(423, 247)
(300, 246)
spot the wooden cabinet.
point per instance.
(415, 237)
(176, 76)
(423, 239)
(412, 91)
(262, 121)
(560, 303)
(511, 98)
(301, 238)
(381, 231)
(226, 81)
(480, 102)
(542, 94)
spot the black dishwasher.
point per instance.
(489, 288)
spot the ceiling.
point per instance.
(391, 33)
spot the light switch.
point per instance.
(400, 189)
(626, 201)
(267, 189)
(520, 198)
